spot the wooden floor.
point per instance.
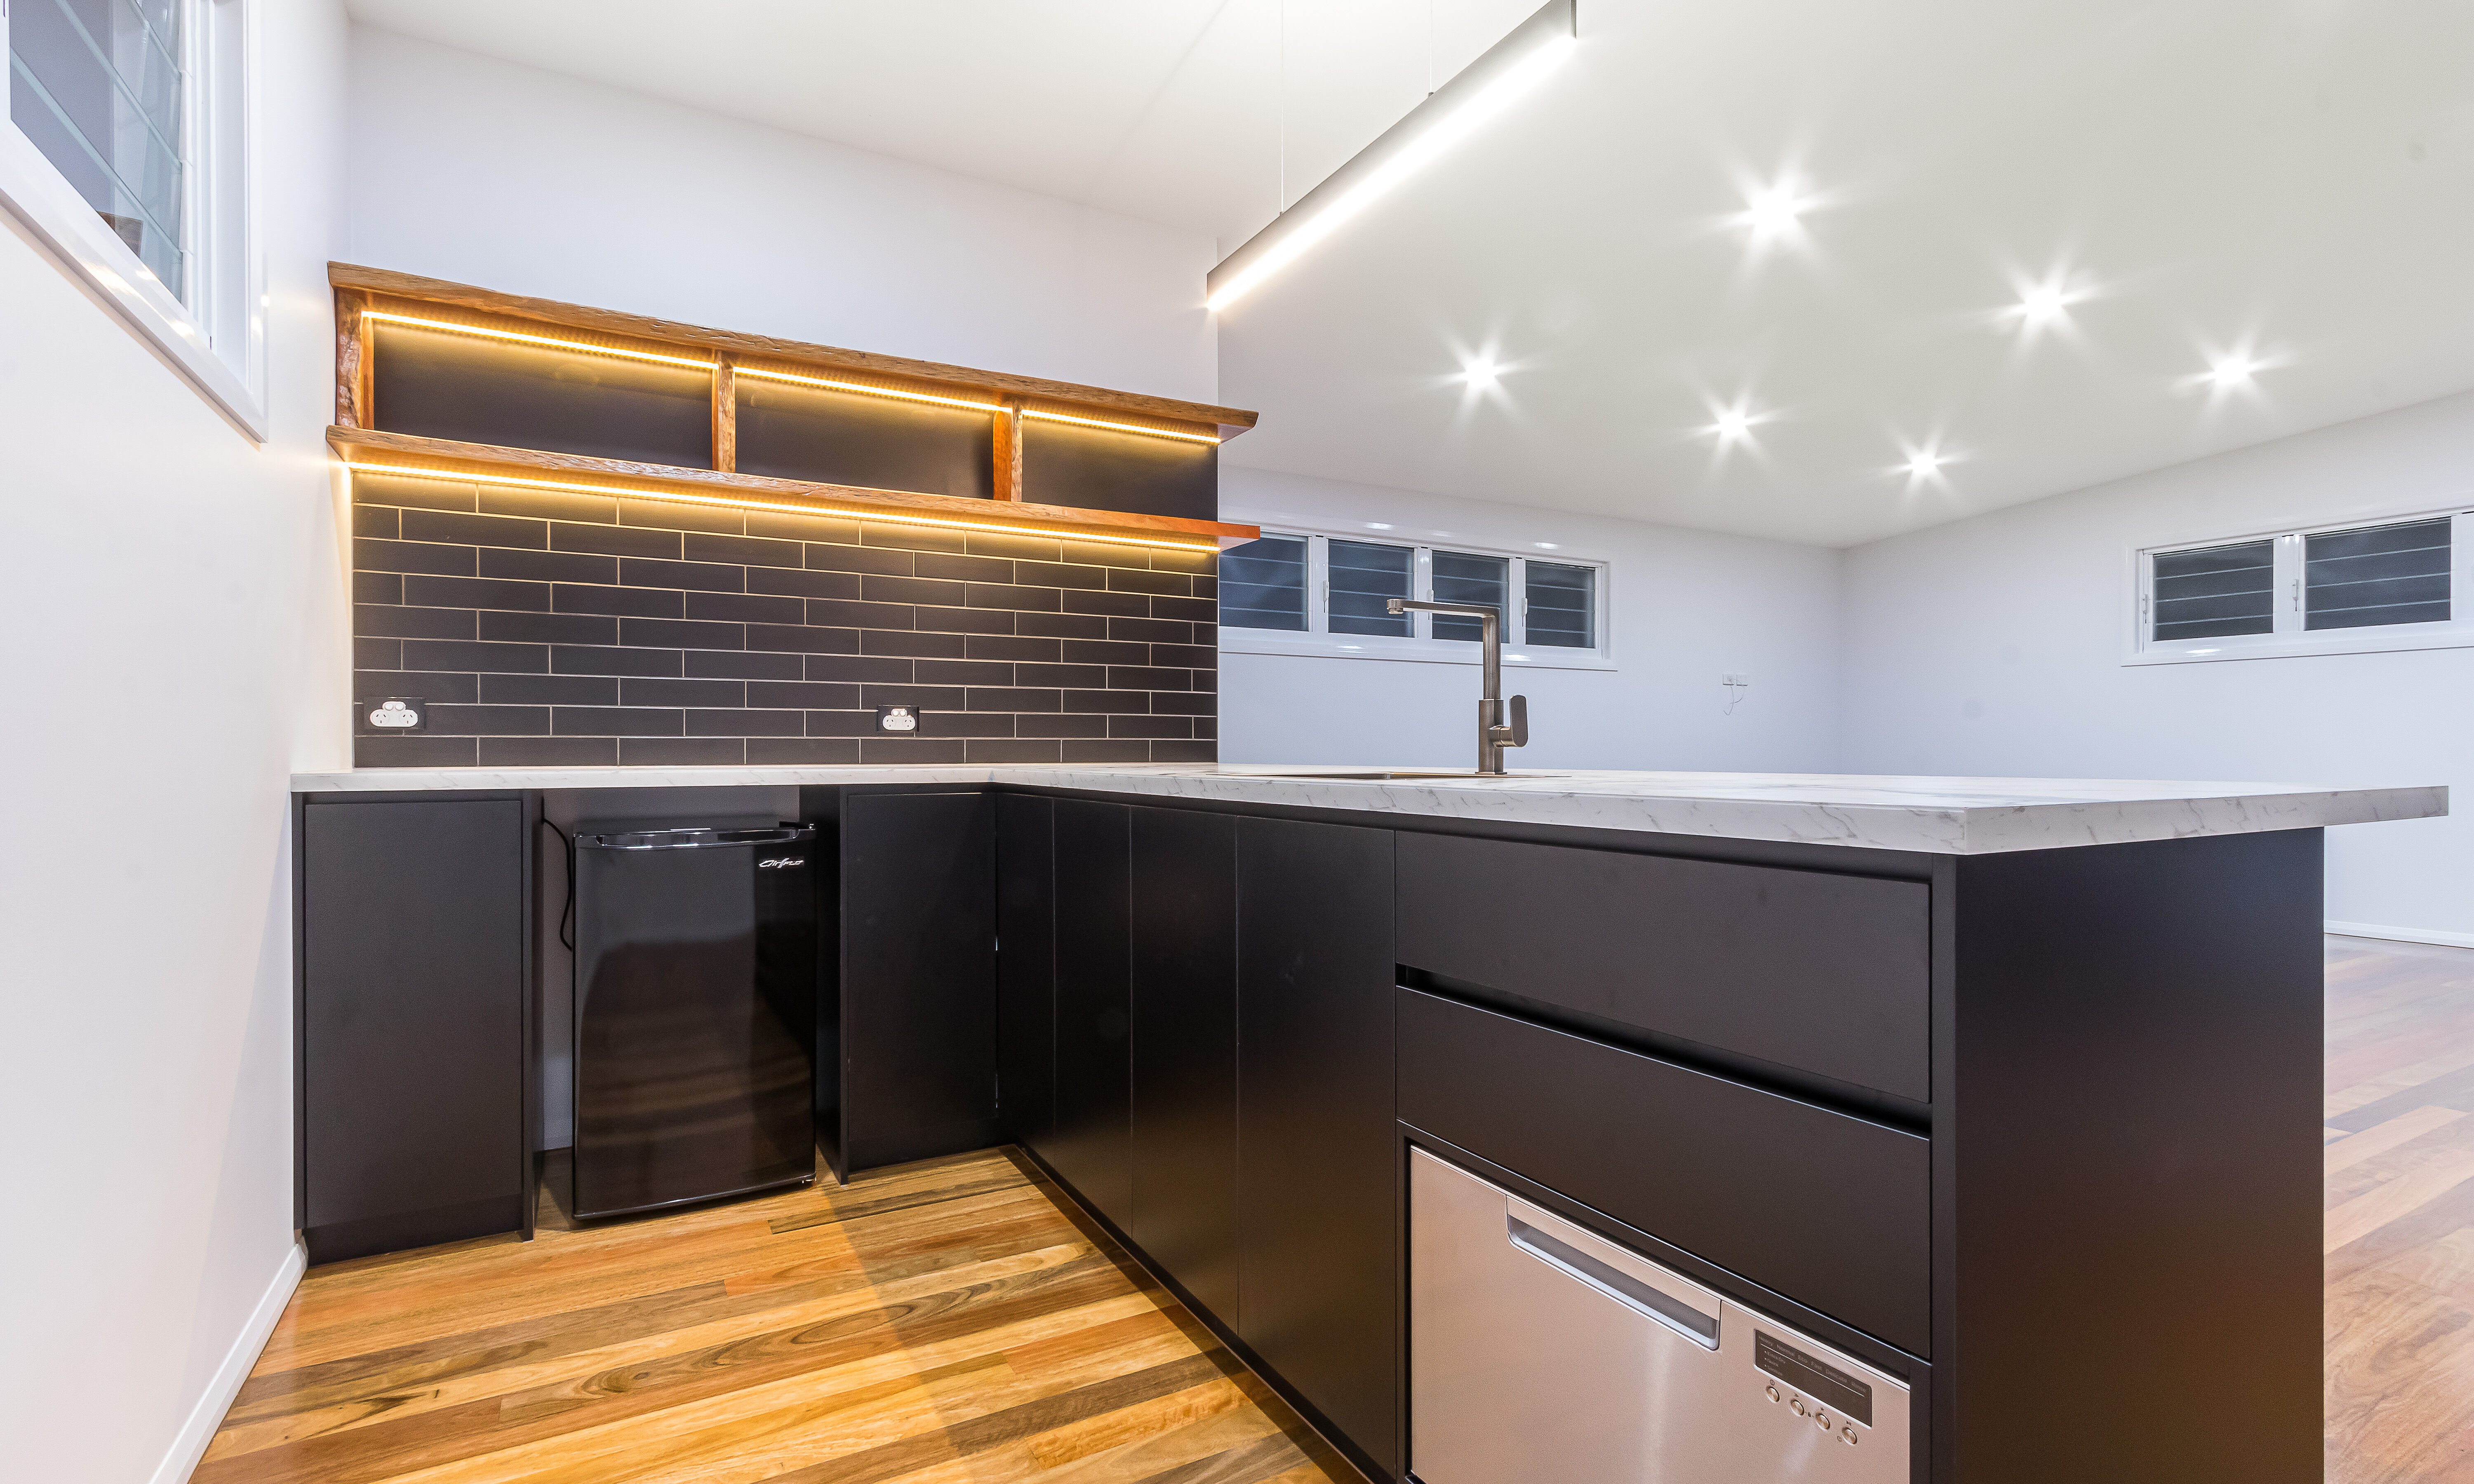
(948, 1323)
(940, 1324)
(2400, 1223)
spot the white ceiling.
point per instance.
(2289, 181)
(1169, 110)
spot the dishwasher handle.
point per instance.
(1630, 1292)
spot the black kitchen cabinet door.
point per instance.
(918, 976)
(1318, 1154)
(1183, 1059)
(1025, 969)
(412, 1026)
(1091, 1142)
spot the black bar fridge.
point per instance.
(695, 1010)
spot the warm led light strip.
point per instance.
(1122, 427)
(852, 386)
(532, 340)
(745, 503)
(770, 375)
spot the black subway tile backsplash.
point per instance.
(547, 629)
(548, 567)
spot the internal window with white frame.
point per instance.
(2361, 585)
(127, 149)
(1308, 592)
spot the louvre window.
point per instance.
(2217, 591)
(1460, 577)
(1302, 593)
(2343, 590)
(1562, 604)
(1263, 584)
(96, 85)
(2377, 575)
(1364, 578)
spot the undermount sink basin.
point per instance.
(1461, 777)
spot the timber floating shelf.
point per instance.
(403, 454)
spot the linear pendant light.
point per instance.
(1477, 93)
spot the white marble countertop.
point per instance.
(1941, 815)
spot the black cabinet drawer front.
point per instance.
(1830, 1211)
(1809, 969)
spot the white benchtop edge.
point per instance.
(1953, 816)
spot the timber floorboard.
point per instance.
(2400, 1214)
(951, 1322)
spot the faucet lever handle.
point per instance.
(1520, 721)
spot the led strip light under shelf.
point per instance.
(744, 502)
(492, 332)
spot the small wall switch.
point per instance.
(394, 715)
(899, 719)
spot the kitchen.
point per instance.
(1130, 676)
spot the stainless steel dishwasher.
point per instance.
(1542, 1353)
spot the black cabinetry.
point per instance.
(1090, 1142)
(916, 1055)
(1182, 1058)
(414, 970)
(1319, 1159)
(1025, 969)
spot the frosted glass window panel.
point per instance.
(1562, 604)
(1263, 584)
(2377, 575)
(1462, 577)
(96, 85)
(2216, 592)
(1362, 576)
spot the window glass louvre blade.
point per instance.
(1562, 604)
(1263, 584)
(1364, 575)
(2377, 575)
(2215, 592)
(1462, 577)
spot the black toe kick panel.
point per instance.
(1830, 1210)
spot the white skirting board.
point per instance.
(190, 1443)
(2401, 934)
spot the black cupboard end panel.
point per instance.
(1183, 1065)
(1317, 1150)
(1831, 1211)
(412, 1023)
(1809, 969)
(918, 975)
(1090, 1142)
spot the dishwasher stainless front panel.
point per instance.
(1542, 1353)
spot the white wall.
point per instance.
(485, 172)
(1687, 606)
(1993, 646)
(176, 646)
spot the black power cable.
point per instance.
(566, 918)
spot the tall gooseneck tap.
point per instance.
(1495, 730)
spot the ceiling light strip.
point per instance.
(1479, 91)
(861, 387)
(494, 333)
(746, 503)
(1121, 427)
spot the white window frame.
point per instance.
(2289, 639)
(1421, 645)
(217, 335)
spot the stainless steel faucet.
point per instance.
(1495, 731)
